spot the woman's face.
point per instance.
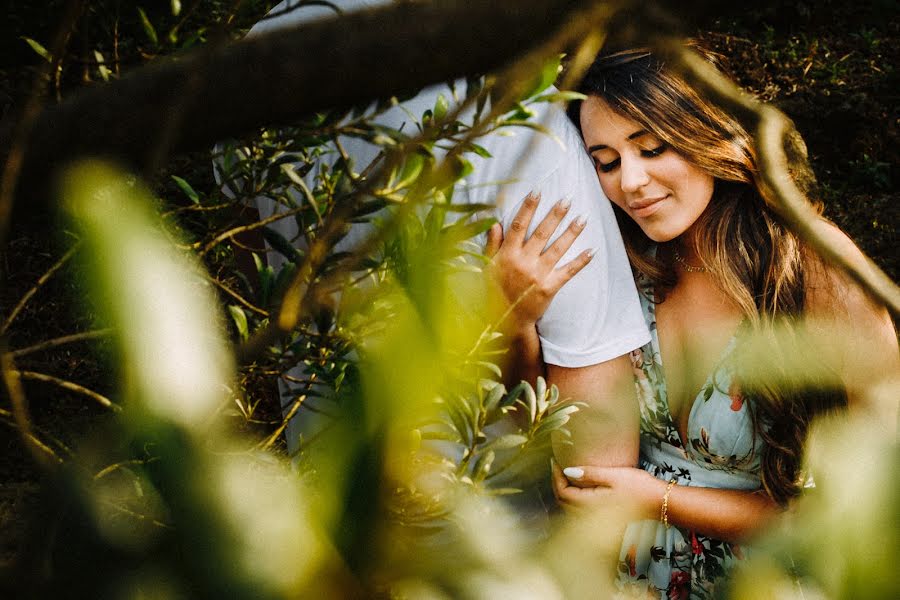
(653, 184)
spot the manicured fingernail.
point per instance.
(573, 472)
(590, 252)
(581, 220)
(565, 203)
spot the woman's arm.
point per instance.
(605, 430)
(526, 275)
(730, 515)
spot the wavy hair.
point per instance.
(755, 259)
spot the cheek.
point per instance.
(700, 188)
(610, 186)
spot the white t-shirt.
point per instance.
(596, 316)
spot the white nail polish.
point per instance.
(581, 220)
(565, 203)
(573, 472)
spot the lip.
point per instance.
(646, 207)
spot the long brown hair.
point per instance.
(756, 261)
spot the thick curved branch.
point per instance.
(222, 91)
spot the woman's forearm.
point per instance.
(730, 515)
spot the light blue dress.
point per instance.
(721, 452)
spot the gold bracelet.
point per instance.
(664, 513)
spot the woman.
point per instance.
(721, 432)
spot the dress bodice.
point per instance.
(721, 449)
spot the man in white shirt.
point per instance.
(595, 320)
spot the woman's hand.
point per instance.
(624, 488)
(525, 269)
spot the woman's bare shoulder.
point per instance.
(833, 293)
(852, 329)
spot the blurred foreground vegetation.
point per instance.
(165, 471)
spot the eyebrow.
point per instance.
(633, 136)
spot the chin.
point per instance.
(661, 236)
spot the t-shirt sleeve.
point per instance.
(596, 316)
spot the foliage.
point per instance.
(185, 491)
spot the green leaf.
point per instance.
(531, 402)
(176, 7)
(535, 126)
(510, 440)
(546, 77)
(288, 169)
(566, 96)
(265, 279)
(462, 167)
(240, 320)
(507, 491)
(479, 150)
(412, 167)
(149, 30)
(540, 391)
(37, 47)
(187, 189)
(441, 435)
(566, 409)
(490, 367)
(459, 422)
(281, 244)
(101, 66)
(514, 394)
(493, 398)
(440, 107)
(483, 466)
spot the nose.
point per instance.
(633, 174)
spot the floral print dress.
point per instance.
(722, 452)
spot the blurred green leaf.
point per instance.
(187, 189)
(440, 107)
(101, 66)
(38, 48)
(149, 30)
(240, 320)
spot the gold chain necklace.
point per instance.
(685, 265)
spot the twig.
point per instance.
(10, 420)
(249, 227)
(37, 286)
(72, 387)
(121, 465)
(295, 406)
(136, 515)
(60, 341)
(41, 454)
(240, 299)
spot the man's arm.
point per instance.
(605, 432)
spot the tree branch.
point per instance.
(222, 91)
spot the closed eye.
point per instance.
(647, 153)
(607, 167)
(654, 151)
